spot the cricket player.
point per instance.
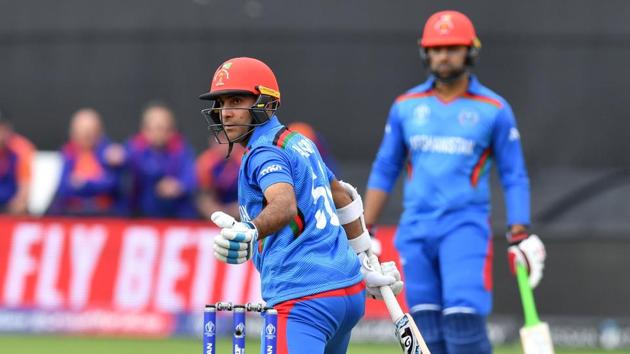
(288, 223)
(446, 133)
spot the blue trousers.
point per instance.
(447, 264)
(320, 323)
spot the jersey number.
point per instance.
(320, 215)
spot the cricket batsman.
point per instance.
(446, 133)
(301, 226)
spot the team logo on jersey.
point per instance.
(468, 117)
(269, 169)
(421, 114)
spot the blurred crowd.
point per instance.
(155, 173)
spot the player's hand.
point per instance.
(169, 187)
(235, 243)
(529, 251)
(374, 279)
(115, 155)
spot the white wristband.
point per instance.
(362, 243)
(350, 212)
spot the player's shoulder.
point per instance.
(419, 91)
(262, 152)
(481, 93)
(281, 140)
(261, 159)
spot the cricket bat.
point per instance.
(407, 332)
(535, 335)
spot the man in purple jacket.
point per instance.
(162, 165)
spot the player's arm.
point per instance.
(280, 210)
(387, 165)
(235, 243)
(350, 212)
(525, 248)
(269, 169)
(508, 153)
(342, 199)
(375, 200)
(354, 228)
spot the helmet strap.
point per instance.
(262, 106)
(229, 151)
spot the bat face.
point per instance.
(537, 339)
(409, 336)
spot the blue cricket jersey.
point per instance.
(449, 148)
(311, 254)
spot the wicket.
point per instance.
(268, 332)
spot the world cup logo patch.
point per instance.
(209, 329)
(421, 115)
(239, 330)
(270, 331)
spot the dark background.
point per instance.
(562, 65)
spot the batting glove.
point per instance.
(235, 243)
(374, 280)
(529, 251)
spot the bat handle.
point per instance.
(389, 298)
(391, 302)
(396, 312)
(527, 297)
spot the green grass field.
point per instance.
(102, 345)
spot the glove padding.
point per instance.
(374, 279)
(235, 243)
(529, 252)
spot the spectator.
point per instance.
(162, 165)
(308, 131)
(16, 153)
(218, 180)
(90, 183)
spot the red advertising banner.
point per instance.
(120, 267)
